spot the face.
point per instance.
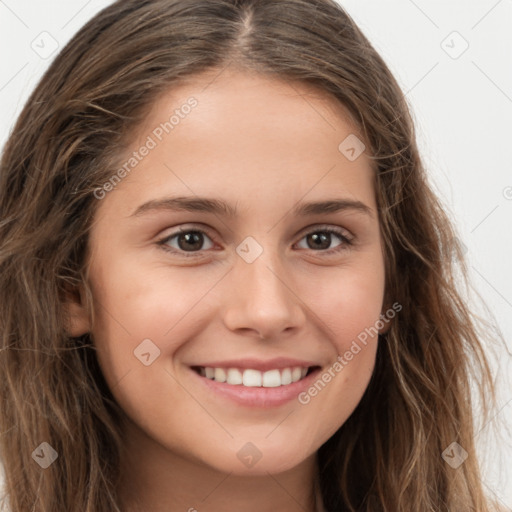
(265, 283)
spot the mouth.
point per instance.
(251, 378)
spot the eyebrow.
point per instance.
(219, 207)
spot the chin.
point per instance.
(249, 460)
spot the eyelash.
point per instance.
(346, 245)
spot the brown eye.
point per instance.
(321, 240)
(187, 241)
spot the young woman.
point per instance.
(226, 283)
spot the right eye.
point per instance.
(185, 238)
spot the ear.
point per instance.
(76, 320)
(387, 326)
(386, 321)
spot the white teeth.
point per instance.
(272, 379)
(252, 378)
(286, 377)
(255, 378)
(234, 376)
(220, 375)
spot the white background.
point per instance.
(461, 102)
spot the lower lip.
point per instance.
(259, 396)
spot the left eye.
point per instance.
(191, 241)
(324, 236)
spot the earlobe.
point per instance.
(385, 329)
(76, 319)
(387, 323)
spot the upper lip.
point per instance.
(258, 364)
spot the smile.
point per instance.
(254, 378)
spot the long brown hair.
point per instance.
(67, 142)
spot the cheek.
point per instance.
(348, 305)
(136, 302)
(347, 302)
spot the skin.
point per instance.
(263, 145)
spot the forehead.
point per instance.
(240, 99)
(246, 136)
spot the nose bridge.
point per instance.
(261, 294)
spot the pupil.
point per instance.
(323, 237)
(193, 237)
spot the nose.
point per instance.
(261, 299)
